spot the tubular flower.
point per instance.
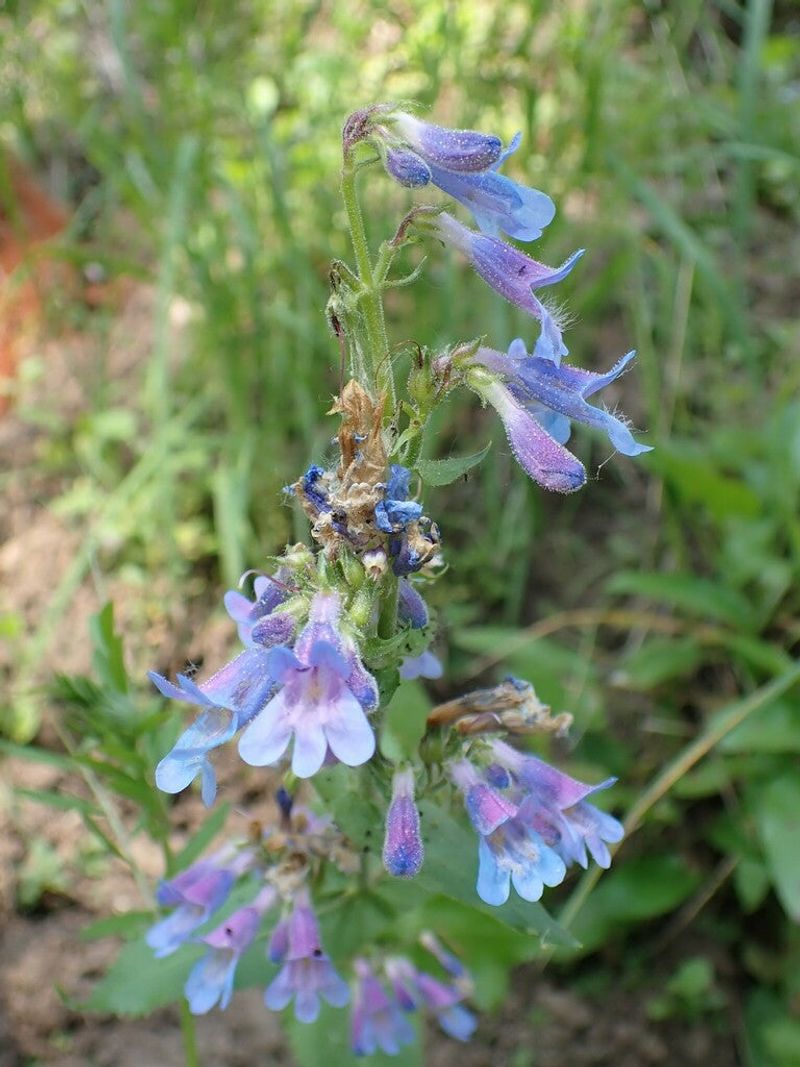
(556, 807)
(536, 403)
(464, 164)
(378, 1021)
(403, 851)
(554, 394)
(324, 689)
(307, 973)
(230, 698)
(211, 979)
(269, 593)
(417, 989)
(509, 850)
(513, 275)
(195, 894)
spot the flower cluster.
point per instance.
(381, 1008)
(532, 821)
(312, 690)
(535, 397)
(271, 873)
(330, 634)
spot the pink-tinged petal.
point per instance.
(266, 738)
(349, 734)
(487, 808)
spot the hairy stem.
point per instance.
(371, 300)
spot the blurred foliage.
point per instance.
(197, 144)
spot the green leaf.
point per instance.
(659, 660)
(687, 592)
(636, 890)
(37, 755)
(405, 721)
(137, 983)
(778, 818)
(776, 728)
(60, 801)
(108, 659)
(129, 925)
(438, 472)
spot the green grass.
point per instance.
(199, 144)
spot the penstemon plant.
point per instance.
(336, 626)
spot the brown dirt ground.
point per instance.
(43, 964)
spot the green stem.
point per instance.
(387, 619)
(371, 299)
(190, 1053)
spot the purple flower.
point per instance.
(464, 164)
(516, 854)
(426, 665)
(324, 690)
(513, 275)
(411, 608)
(509, 850)
(462, 151)
(407, 168)
(448, 961)
(269, 592)
(486, 806)
(540, 455)
(231, 697)
(307, 973)
(555, 808)
(403, 851)
(555, 394)
(415, 989)
(195, 894)
(211, 979)
(378, 1021)
(445, 1003)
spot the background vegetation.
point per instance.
(197, 147)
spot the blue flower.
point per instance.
(403, 851)
(396, 511)
(426, 665)
(378, 1021)
(417, 989)
(464, 164)
(536, 451)
(307, 973)
(270, 593)
(231, 697)
(211, 979)
(462, 151)
(195, 894)
(513, 275)
(324, 690)
(538, 401)
(411, 608)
